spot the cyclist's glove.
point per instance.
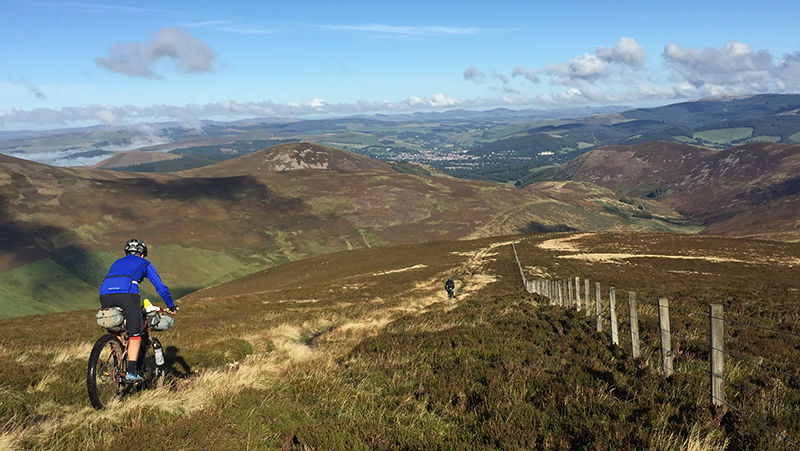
(172, 310)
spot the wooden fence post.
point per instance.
(556, 289)
(612, 302)
(634, 325)
(578, 294)
(571, 299)
(598, 306)
(717, 358)
(561, 299)
(586, 295)
(666, 342)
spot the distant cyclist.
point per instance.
(450, 286)
(120, 288)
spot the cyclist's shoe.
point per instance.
(133, 378)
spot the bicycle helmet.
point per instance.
(134, 246)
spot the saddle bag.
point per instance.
(112, 319)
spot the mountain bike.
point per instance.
(105, 373)
(450, 292)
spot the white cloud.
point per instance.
(588, 69)
(578, 71)
(106, 117)
(189, 54)
(527, 73)
(62, 158)
(474, 75)
(440, 100)
(190, 115)
(500, 76)
(732, 69)
(627, 51)
(316, 103)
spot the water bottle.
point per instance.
(159, 356)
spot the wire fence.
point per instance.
(748, 390)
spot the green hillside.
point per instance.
(69, 280)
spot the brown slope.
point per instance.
(752, 189)
(243, 209)
(639, 169)
(134, 158)
(292, 157)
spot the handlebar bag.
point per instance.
(159, 322)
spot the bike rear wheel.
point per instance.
(106, 364)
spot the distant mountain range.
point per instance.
(488, 145)
(716, 123)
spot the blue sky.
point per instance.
(67, 63)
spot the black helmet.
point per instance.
(134, 246)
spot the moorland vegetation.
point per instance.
(363, 350)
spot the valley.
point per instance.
(63, 226)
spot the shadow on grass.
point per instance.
(171, 359)
(538, 227)
(24, 240)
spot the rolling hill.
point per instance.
(63, 226)
(749, 190)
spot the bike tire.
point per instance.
(153, 374)
(106, 362)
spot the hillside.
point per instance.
(133, 158)
(292, 157)
(62, 227)
(748, 190)
(363, 350)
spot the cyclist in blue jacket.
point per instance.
(120, 288)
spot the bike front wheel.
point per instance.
(104, 372)
(150, 370)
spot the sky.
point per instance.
(78, 63)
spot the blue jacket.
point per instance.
(126, 274)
